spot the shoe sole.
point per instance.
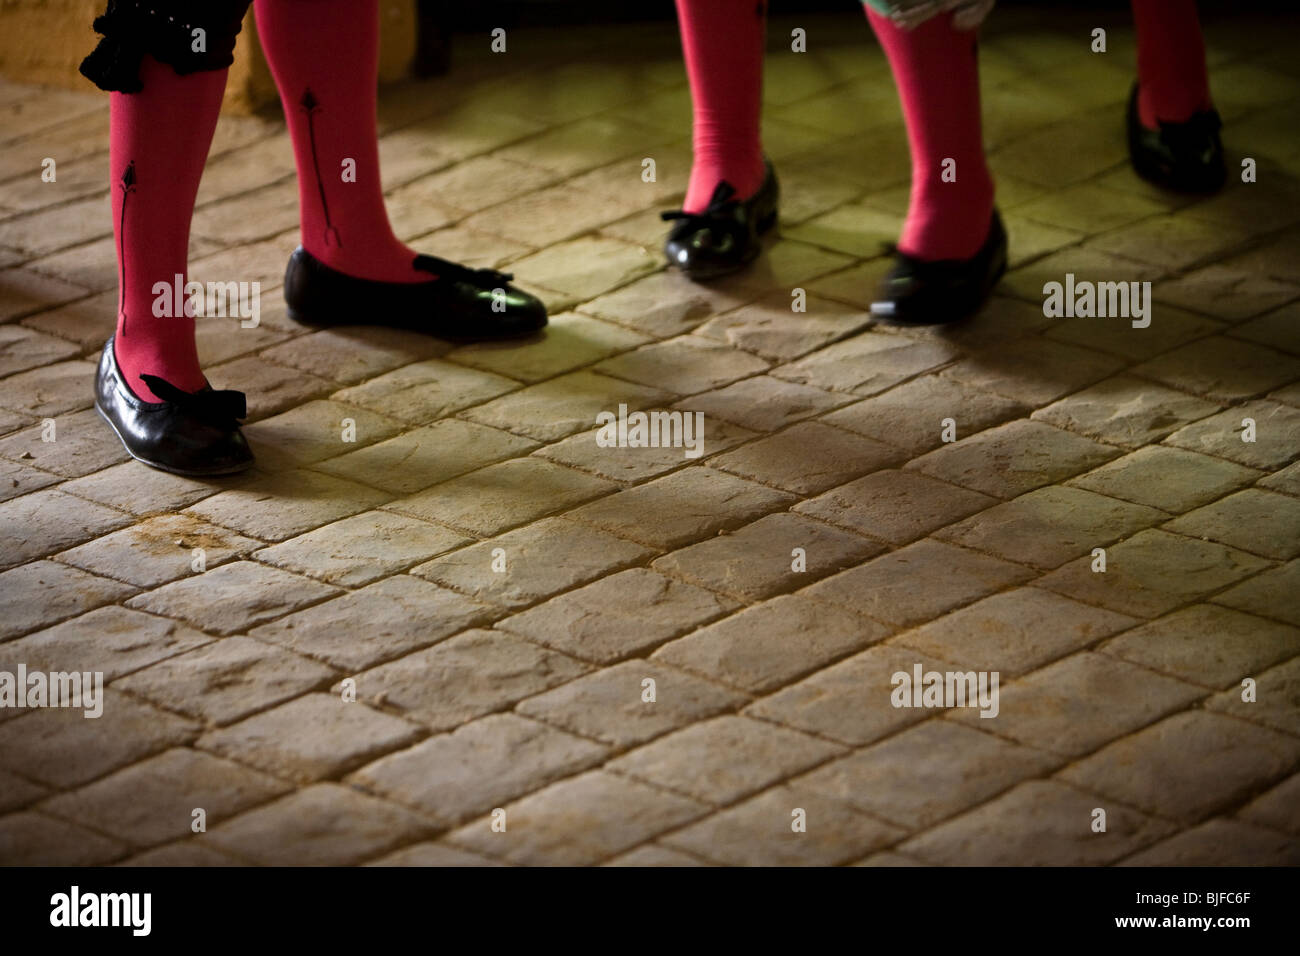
(171, 469)
(301, 319)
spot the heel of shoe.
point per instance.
(767, 222)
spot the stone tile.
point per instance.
(1161, 769)
(760, 832)
(541, 559)
(570, 403)
(927, 773)
(1277, 702)
(1038, 823)
(350, 354)
(16, 479)
(159, 550)
(416, 459)
(625, 614)
(423, 392)
(895, 506)
(503, 496)
(917, 583)
(1170, 479)
(214, 600)
(432, 854)
(50, 520)
(807, 458)
(784, 264)
(771, 644)
(633, 464)
(849, 701)
(315, 431)
(227, 680)
(1174, 242)
(1013, 632)
(152, 802)
(361, 549)
(587, 266)
(112, 640)
(314, 736)
(758, 560)
(682, 507)
(1170, 327)
(142, 491)
(1048, 527)
(1221, 843)
(1270, 593)
(684, 365)
(22, 349)
(1225, 290)
(283, 505)
(1079, 703)
(470, 675)
(1125, 411)
(1035, 370)
(454, 777)
(1223, 368)
(1152, 573)
(763, 403)
(911, 416)
(653, 855)
(323, 825)
(44, 592)
(34, 839)
(1223, 435)
(1207, 645)
(868, 363)
(1276, 329)
(16, 793)
(81, 443)
(771, 329)
(609, 705)
(1012, 459)
(582, 820)
(271, 389)
(721, 760)
(1277, 808)
(49, 390)
(376, 623)
(569, 342)
(1286, 481)
(64, 747)
(187, 853)
(664, 304)
(1257, 521)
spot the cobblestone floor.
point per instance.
(372, 561)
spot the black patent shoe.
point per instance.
(947, 290)
(1187, 157)
(457, 303)
(725, 236)
(190, 433)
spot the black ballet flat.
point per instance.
(725, 236)
(1186, 157)
(944, 291)
(190, 433)
(459, 303)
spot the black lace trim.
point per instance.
(162, 29)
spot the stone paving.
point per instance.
(498, 589)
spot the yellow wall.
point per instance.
(43, 41)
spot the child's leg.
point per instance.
(936, 69)
(723, 44)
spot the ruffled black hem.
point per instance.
(162, 29)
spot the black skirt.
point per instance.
(188, 35)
